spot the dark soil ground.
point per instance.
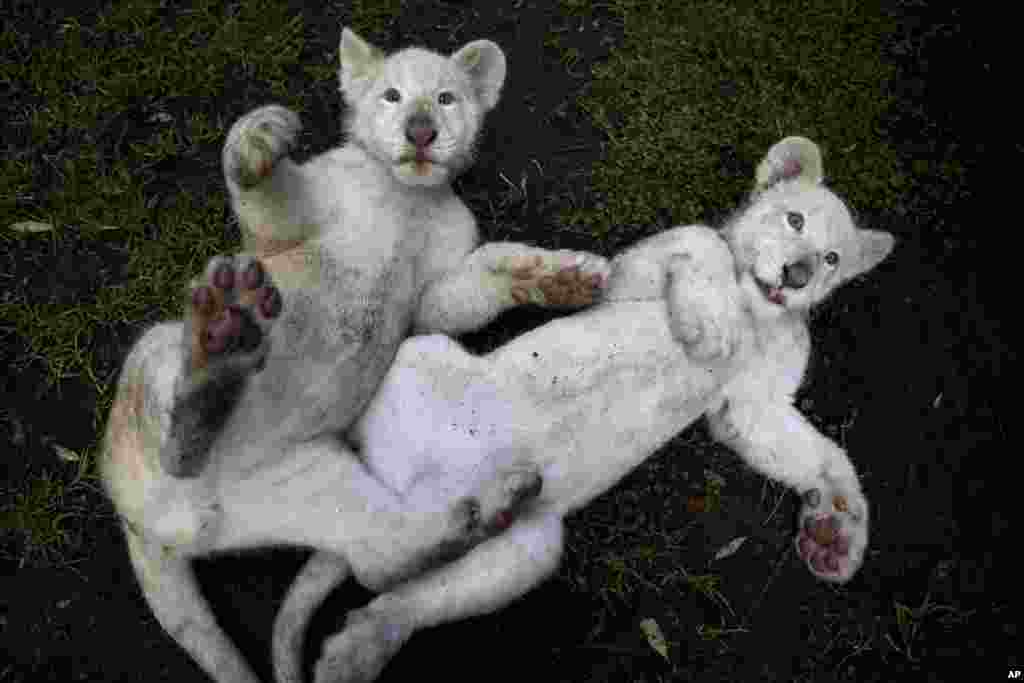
(905, 375)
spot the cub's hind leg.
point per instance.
(488, 578)
(224, 342)
(779, 442)
(266, 187)
(322, 573)
(481, 518)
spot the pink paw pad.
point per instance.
(822, 544)
(228, 309)
(832, 535)
(270, 302)
(224, 276)
(222, 329)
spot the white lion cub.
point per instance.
(227, 427)
(590, 396)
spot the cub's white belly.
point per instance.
(586, 398)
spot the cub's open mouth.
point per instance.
(771, 292)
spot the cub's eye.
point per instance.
(832, 258)
(446, 98)
(392, 95)
(795, 220)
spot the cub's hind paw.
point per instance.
(360, 652)
(229, 309)
(518, 487)
(492, 511)
(833, 530)
(257, 142)
(229, 312)
(558, 279)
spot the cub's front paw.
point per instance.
(257, 142)
(230, 309)
(701, 316)
(705, 336)
(557, 279)
(833, 530)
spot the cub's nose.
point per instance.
(797, 275)
(420, 131)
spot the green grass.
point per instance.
(45, 516)
(130, 54)
(911, 620)
(732, 79)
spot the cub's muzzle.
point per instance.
(796, 275)
(420, 130)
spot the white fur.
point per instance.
(592, 395)
(365, 242)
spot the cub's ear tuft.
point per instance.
(360, 62)
(792, 158)
(484, 63)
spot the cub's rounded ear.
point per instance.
(792, 158)
(875, 245)
(359, 63)
(484, 63)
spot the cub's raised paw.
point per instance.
(257, 142)
(705, 336)
(701, 316)
(359, 653)
(229, 311)
(833, 530)
(558, 279)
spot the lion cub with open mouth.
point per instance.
(227, 430)
(694, 322)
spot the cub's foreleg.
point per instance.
(267, 188)
(501, 275)
(224, 343)
(702, 294)
(776, 440)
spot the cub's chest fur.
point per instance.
(779, 355)
(364, 271)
